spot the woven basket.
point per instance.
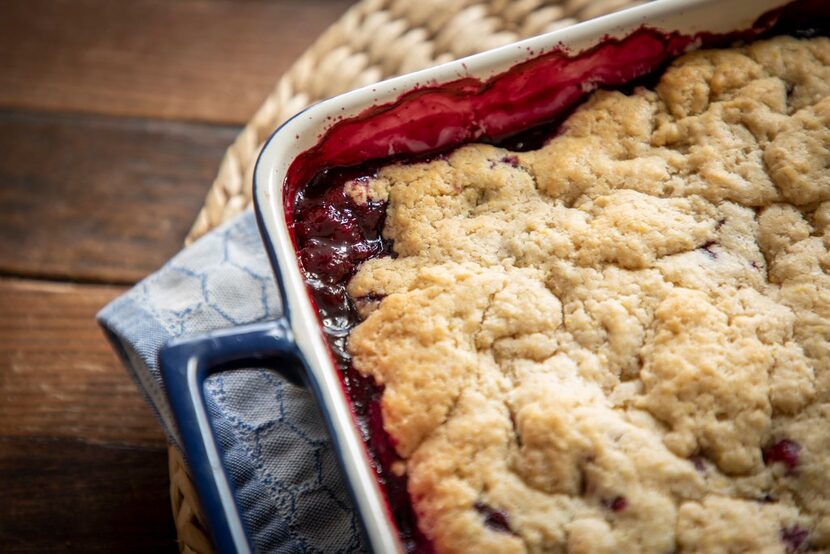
(374, 40)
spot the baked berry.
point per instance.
(326, 260)
(328, 222)
(616, 504)
(794, 538)
(785, 451)
(496, 520)
(698, 462)
(512, 161)
(707, 248)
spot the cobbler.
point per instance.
(619, 342)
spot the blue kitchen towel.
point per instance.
(275, 445)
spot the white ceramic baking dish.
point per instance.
(295, 344)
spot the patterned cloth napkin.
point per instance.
(275, 445)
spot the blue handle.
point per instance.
(185, 364)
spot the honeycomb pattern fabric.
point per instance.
(274, 442)
(619, 342)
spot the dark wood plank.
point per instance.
(200, 60)
(58, 375)
(99, 198)
(61, 496)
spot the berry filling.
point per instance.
(699, 463)
(497, 520)
(707, 248)
(794, 538)
(616, 504)
(785, 451)
(512, 161)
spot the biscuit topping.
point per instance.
(607, 338)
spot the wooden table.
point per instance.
(113, 119)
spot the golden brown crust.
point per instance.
(597, 340)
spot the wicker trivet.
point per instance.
(374, 40)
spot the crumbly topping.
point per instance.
(619, 342)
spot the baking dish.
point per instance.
(355, 128)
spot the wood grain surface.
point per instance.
(196, 60)
(61, 378)
(92, 198)
(67, 496)
(113, 119)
